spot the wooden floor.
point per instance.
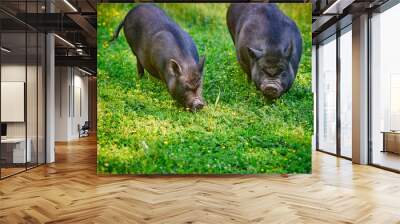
(10, 171)
(69, 191)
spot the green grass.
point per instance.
(142, 131)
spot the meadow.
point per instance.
(141, 130)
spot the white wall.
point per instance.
(62, 82)
(13, 72)
(79, 117)
(70, 83)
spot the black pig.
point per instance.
(268, 46)
(166, 51)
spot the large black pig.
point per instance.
(166, 51)
(268, 46)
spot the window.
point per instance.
(22, 77)
(385, 89)
(327, 95)
(346, 92)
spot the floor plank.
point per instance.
(69, 191)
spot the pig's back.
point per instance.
(146, 22)
(250, 22)
(142, 22)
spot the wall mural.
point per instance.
(204, 88)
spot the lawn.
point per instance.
(141, 130)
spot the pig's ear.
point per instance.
(201, 63)
(254, 53)
(175, 67)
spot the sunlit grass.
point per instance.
(142, 131)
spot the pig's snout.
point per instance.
(271, 91)
(197, 104)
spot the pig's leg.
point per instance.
(246, 69)
(248, 78)
(140, 68)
